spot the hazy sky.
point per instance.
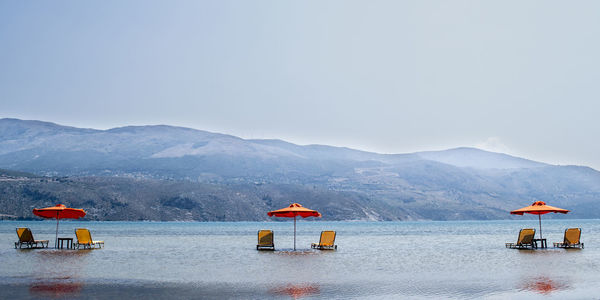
(520, 77)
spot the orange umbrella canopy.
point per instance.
(539, 208)
(59, 212)
(293, 211)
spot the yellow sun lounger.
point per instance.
(571, 239)
(326, 242)
(26, 238)
(84, 238)
(525, 239)
(265, 240)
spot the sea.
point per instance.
(374, 260)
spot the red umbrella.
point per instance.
(539, 208)
(59, 212)
(293, 211)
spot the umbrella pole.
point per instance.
(294, 233)
(540, 218)
(56, 237)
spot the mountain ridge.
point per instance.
(460, 183)
(445, 156)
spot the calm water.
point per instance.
(374, 260)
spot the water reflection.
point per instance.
(57, 263)
(59, 253)
(56, 288)
(58, 273)
(296, 291)
(573, 249)
(296, 252)
(544, 285)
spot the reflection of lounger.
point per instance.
(265, 240)
(571, 239)
(525, 239)
(326, 242)
(26, 238)
(84, 238)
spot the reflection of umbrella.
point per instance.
(58, 212)
(539, 208)
(56, 289)
(292, 211)
(297, 291)
(544, 285)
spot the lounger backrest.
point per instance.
(265, 237)
(83, 236)
(327, 238)
(572, 236)
(25, 235)
(526, 236)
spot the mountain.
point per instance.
(167, 162)
(183, 153)
(478, 159)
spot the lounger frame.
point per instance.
(26, 238)
(321, 245)
(566, 244)
(86, 242)
(265, 240)
(525, 240)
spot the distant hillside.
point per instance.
(477, 159)
(112, 198)
(182, 153)
(16, 174)
(144, 164)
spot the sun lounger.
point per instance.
(265, 240)
(26, 238)
(84, 239)
(326, 242)
(571, 239)
(525, 240)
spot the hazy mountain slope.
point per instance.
(28, 146)
(53, 149)
(475, 158)
(462, 183)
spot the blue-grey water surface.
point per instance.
(377, 260)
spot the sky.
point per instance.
(518, 77)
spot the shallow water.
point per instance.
(374, 260)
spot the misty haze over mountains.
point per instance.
(173, 173)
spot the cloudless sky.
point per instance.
(520, 77)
